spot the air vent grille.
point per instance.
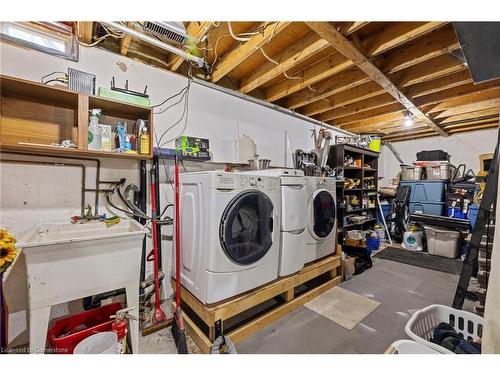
(173, 31)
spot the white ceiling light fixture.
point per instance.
(408, 119)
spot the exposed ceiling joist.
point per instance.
(364, 91)
(357, 107)
(125, 42)
(288, 58)
(344, 46)
(325, 68)
(328, 87)
(472, 99)
(435, 44)
(439, 84)
(232, 59)
(351, 27)
(84, 31)
(354, 118)
(397, 34)
(470, 115)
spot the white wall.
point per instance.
(39, 194)
(464, 148)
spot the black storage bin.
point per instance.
(433, 155)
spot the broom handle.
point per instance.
(155, 241)
(177, 238)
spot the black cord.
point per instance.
(48, 75)
(169, 98)
(55, 80)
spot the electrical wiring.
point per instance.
(166, 100)
(235, 36)
(102, 38)
(56, 80)
(48, 75)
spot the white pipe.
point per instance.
(155, 42)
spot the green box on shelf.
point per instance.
(123, 97)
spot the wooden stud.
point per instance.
(325, 68)
(125, 41)
(288, 58)
(339, 42)
(244, 50)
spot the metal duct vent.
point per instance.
(81, 81)
(173, 31)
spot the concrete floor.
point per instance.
(402, 289)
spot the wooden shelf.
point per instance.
(35, 115)
(51, 150)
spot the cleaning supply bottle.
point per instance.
(144, 141)
(119, 326)
(94, 132)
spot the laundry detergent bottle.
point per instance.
(94, 131)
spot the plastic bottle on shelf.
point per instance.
(94, 132)
(144, 141)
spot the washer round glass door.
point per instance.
(324, 213)
(246, 227)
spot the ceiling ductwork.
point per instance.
(171, 31)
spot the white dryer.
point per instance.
(322, 217)
(293, 219)
(230, 232)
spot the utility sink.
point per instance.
(65, 262)
(51, 234)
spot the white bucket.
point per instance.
(100, 343)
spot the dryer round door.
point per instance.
(323, 214)
(246, 227)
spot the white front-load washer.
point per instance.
(293, 218)
(230, 233)
(321, 217)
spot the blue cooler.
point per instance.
(427, 208)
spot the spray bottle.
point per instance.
(119, 326)
(94, 132)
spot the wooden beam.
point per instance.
(430, 69)
(424, 50)
(467, 100)
(490, 125)
(471, 107)
(365, 91)
(408, 137)
(84, 31)
(357, 107)
(288, 58)
(457, 92)
(125, 42)
(471, 115)
(232, 59)
(472, 122)
(396, 34)
(439, 84)
(323, 69)
(351, 27)
(195, 29)
(376, 120)
(340, 82)
(437, 43)
(385, 110)
(339, 42)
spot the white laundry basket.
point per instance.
(409, 347)
(421, 325)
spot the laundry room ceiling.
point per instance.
(364, 77)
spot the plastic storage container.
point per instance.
(372, 244)
(442, 242)
(426, 191)
(421, 325)
(386, 209)
(67, 332)
(99, 343)
(438, 171)
(472, 214)
(410, 172)
(427, 208)
(409, 347)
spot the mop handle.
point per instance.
(155, 240)
(177, 237)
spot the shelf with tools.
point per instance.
(356, 197)
(37, 118)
